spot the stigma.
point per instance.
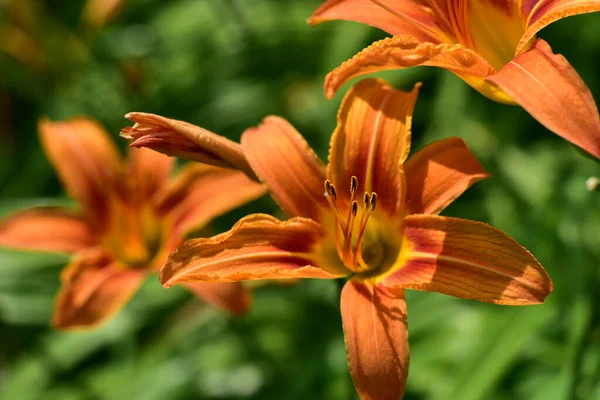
(350, 228)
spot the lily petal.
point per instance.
(289, 168)
(439, 173)
(200, 193)
(257, 247)
(149, 170)
(541, 13)
(94, 287)
(46, 228)
(372, 140)
(397, 17)
(376, 337)
(548, 87)
(86, 161)
(467, 259)
(233, 297)
(406, 51)
(181, 139)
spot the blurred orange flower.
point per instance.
(387, 240)
(490, 44)
(132, 215)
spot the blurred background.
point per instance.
(225, 64)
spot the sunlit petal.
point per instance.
(46, 228)
(439, 173)
(548, 87)
(376, 336)
(372, 140)
(406, 51)
(541, 13)
(94, 287)
(288, 167)
(86, 161)
(233, 297)
(397, 17)
(467, 259)
(257, 247)
(199, 193)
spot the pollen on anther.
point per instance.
(353, 184)
(373, 200)
(327, 187)
(333, 192)
(367, 200)
(354, 208)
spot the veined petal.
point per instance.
(406, 51)
(439, 173)
(200, 193)
(233, 297)
(376, 337)
(548, 87)
(86, 161)
(397, 17)
(289, 168)
(94, 287)
(257, 247)
(372, 140)
(181, 139)
(148, 170)
(46, 228)
(541, 13)
(467, 259)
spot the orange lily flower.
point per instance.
(370, 216)
(132, 215)
(490, 44)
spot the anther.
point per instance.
(373, 200)
(354, 208)
(353, 184)
(328, 187)
(333, 192)
(367, 200)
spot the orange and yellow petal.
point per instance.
(287, 165)
(439, 173)
(371, 141)
(397, 17)
(86, 160)
(541, 13)
(148, 171)
(469, 260)
(548, 87)
(232, 297)
(376, 336)
(257, 247)
(200, 193)
(46, 229)
(181, 139)
(94, 287)
(406, 51)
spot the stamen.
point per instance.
(367, 200)
(353, 184)
(373, 200)
(333, 192)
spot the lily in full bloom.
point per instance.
(132, 216)
(490, 44)
(372, 217)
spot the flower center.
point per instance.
(134, 235)
(350, 229)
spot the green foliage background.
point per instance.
(225, 64)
